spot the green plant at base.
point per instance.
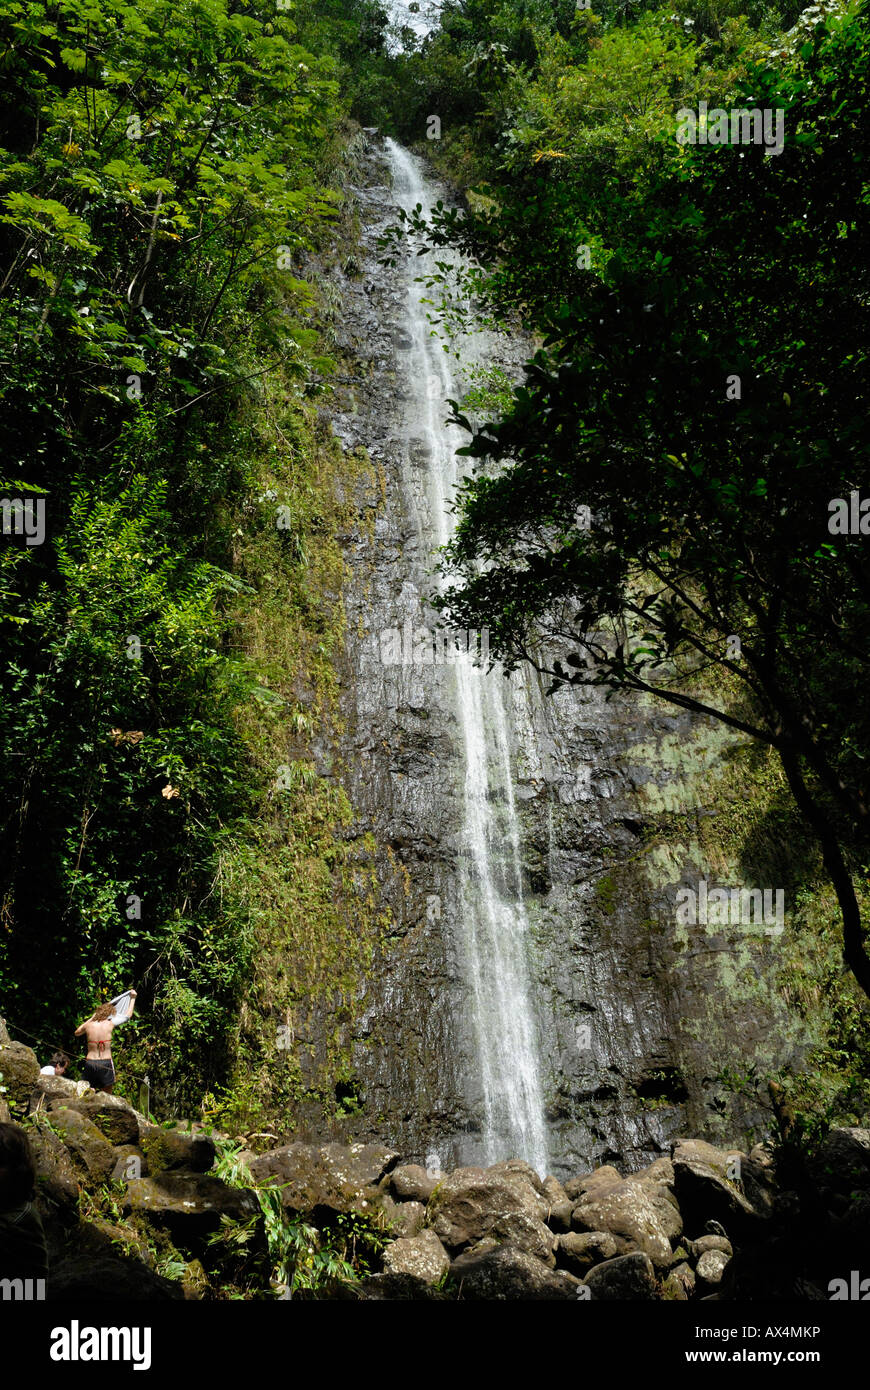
(302, 1259)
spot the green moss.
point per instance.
(605, 893)
(723, 805)
(297, 883)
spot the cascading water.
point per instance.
(494, 927)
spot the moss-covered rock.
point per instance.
(188, 1200)
(339, 1176)
(111, 1115)
(19, 1070)
(168, 1150)
(57, 1187)
(92, 1154)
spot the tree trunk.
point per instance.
(853, 936)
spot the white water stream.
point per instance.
(494, 924)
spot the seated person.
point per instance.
(57, 1066)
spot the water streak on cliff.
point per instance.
(493, 923)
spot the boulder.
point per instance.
(705, 1191)
(660, 1173)
(97, 1237)
(662, 1199)
(107, 1278)
(130, 1163)
(19, 1070)
(508, 1273)
(626, 1277)
(113, 1117)
(762, 1155)
(523, 1170)
(57, 1189)
(635, 1212)
(166, 1150)
(558, 1217)
(423, 1257)
(710, 1268)
(56, 1089)
(555, 1192)
(406, 1218)
(93, 1155)
(680, 1284)
(191, 1201)
(5, 1116)
(579, 1252)
(339, 1176)
(658, 1179)
(559, 1205)
(396, 1288)
(704, 1243)
(411, 1183)
(843, 1162)
(593, 1185)
(474, 1203)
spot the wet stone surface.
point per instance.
(622, 1005)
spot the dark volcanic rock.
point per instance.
(405, 1218)
(57, 1188)
(508, 1273)
(113, 1117)
(190, 1200)
(843, 1162)
(579, 1251)
(20, 1070)
(627, 1003)
(705, 1191)
(54, 1090)
(710, 1268)
(335, 1175)
(626, 1277)
(410, 1182)
(398, 1288)
(93, 1155)
(112, 1280)
(474, 1203)
(423, 1257)
(169, 1149)
(679, 1286)
(635, 1213)
(590, 1186)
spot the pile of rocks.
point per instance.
(503, 1232)
(704, 1223)
(82, 1139)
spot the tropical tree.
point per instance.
(658, 510)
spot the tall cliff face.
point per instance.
(636, 1015)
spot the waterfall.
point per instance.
(494, 926)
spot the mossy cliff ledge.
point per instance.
(133, 1210)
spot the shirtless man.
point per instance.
(99, 1069)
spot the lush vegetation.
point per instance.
(164, 171)
(652, 510)
(694, 405)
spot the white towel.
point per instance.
(122, 1004)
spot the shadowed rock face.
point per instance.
(633, 1014)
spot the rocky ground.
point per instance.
(119, 1197)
